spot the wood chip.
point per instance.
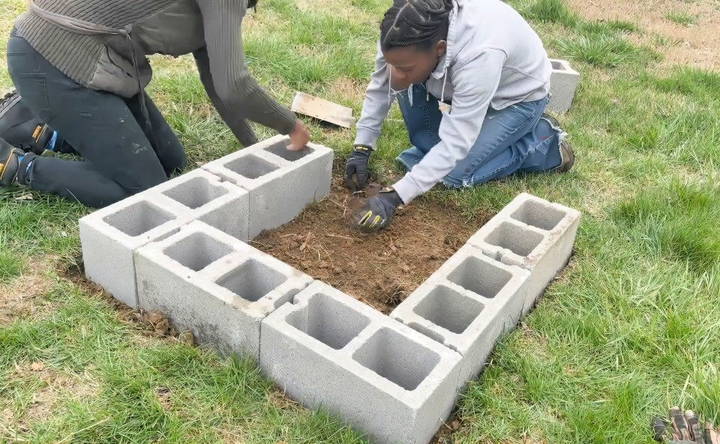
(323, 110)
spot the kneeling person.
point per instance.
(482, 61)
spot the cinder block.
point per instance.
(466, 305)
(531, 233)
(328, 350)
(214, 285)
(563, 84)
(110, 235)
(210, 199)
(281, 183)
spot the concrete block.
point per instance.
(109, 235)
(214, 285)
(210, 199)
(466, 305)
(531, 233)
(563, 83)
(327, 350)
(280, 183)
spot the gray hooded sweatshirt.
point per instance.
(493, 58)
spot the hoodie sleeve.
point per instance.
(232, 81)
(377, 104)
(475, 84)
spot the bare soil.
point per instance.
(380, 269)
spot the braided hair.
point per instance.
(420, 23)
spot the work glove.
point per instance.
(356, 169)
(377, 211)
(685, 429)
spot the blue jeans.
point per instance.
(514, 139)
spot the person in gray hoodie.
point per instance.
(472, 80)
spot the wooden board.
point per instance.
(323, 110)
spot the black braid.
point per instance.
(420, 23)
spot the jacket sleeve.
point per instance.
(234, 85)
(238, 125)
(376, 105)
(475, 84)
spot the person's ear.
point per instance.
(440, 48)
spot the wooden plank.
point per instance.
(323, 110)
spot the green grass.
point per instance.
(629, 329)
(681, 18)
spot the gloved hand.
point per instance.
(377, 212)
(357, 166)
(686, 429)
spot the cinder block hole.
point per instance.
(557, 65)
(251, 166)
(397, 358)
(195, 193)
(538, 215)
(517, 239)
(480, 277)
(449, 309)
(329, 321)
(138, 218)
(280, 149)
(197, 251)
(252, 280)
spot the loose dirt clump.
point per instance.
(377, 269)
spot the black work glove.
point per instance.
(357, 166)
(377, 212)
(684, 428)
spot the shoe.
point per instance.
(567, 154)
(19, 127)
(567, 157)
(9, 163)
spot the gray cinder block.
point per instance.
(534, 234)
(210, 199)
(328, 350)
(281, 183)
(110, 235)
(563, 84)
(466, 305)
(214, 285)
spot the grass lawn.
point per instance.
(631, 327)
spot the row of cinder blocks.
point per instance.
(485, 288)
(396, 378)
(258, 188)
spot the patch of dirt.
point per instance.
(377, 269)
(696, 45)
(55, 388)
(22, 296)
